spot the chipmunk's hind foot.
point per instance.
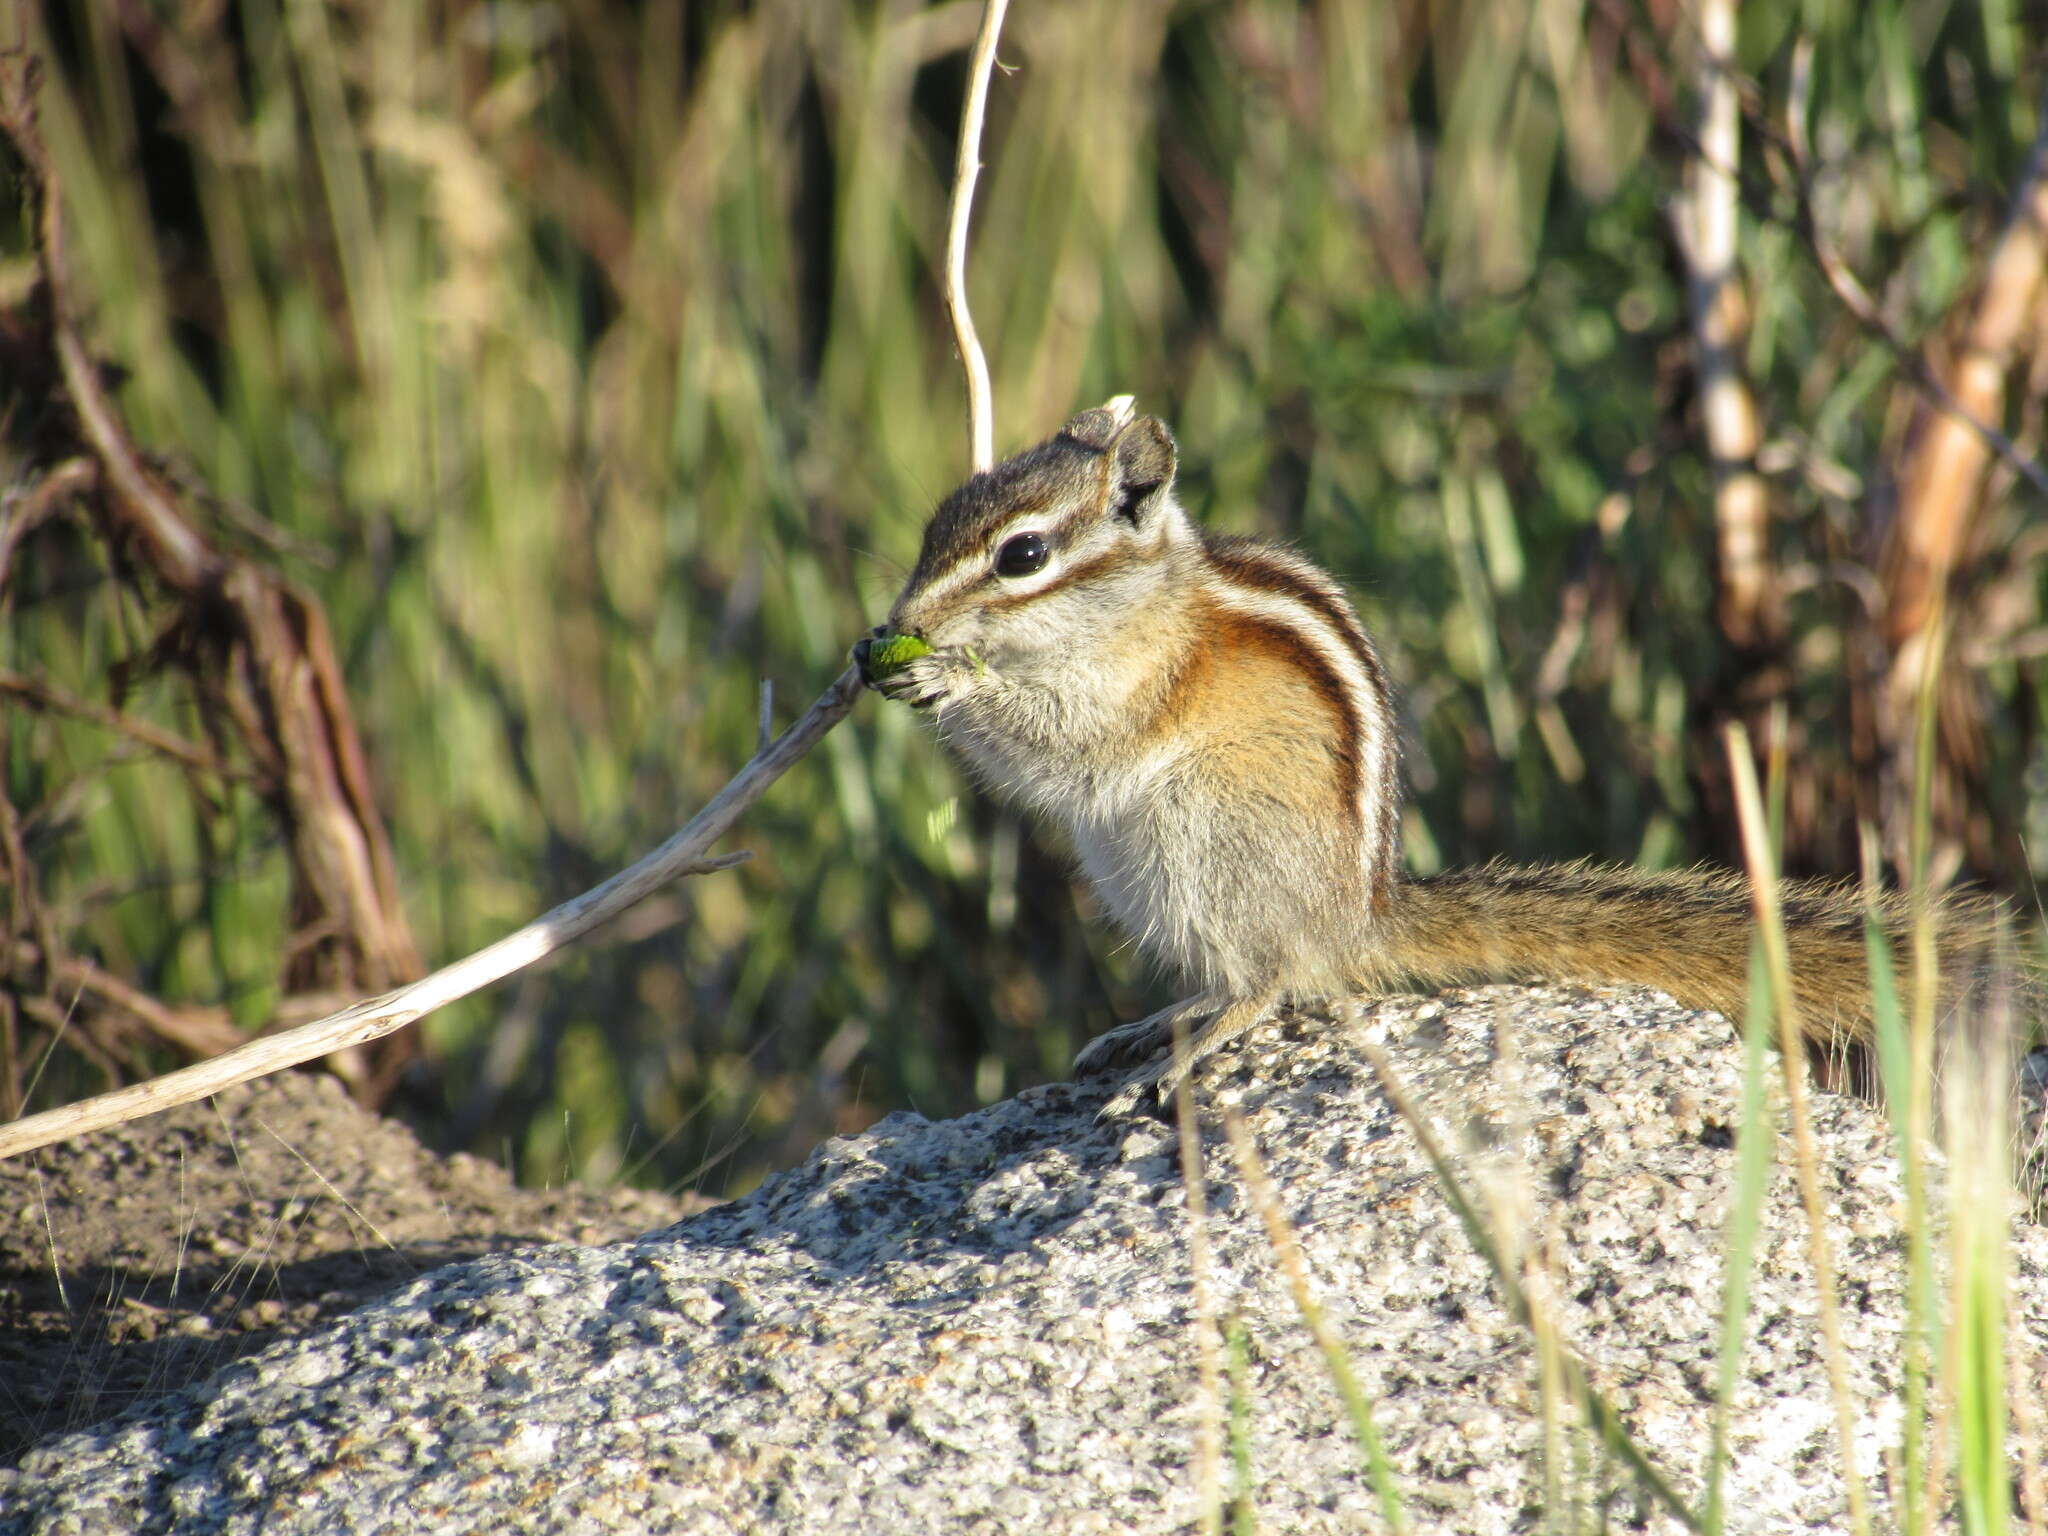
(1163, 1073)
(1128, 1044)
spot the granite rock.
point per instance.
(986, 1324)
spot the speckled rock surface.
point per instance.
(984, 1324)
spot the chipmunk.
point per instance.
(1210, 726)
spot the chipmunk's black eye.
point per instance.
(1022, 556)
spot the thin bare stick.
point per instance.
(199, 1031)
(25, 509)
(272, 665)
(685, 853)
(1646, 60)
(981, 432)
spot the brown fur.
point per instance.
(1685, 932)
(1306, 705)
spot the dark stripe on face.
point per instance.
(1086, 570)
(1041, 477)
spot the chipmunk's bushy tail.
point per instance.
(1684, 932)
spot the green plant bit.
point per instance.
(895, 653)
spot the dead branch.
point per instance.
(1941, 481)
(200, 1032)
(1647, 65)
(1855, 298)
(257, 647)
(686, 853)
(24, 512)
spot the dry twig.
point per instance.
(688, 852)
(1959, 412)
(1941, 482)
(1647, 65)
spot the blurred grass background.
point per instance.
(587, 360)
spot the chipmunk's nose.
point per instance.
(861, 649)
(864, 648)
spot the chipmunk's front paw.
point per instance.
(905, 668)
(930, 682)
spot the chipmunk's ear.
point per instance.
(1098, 428)
(1141, 473)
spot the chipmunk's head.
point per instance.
(1047, 548)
